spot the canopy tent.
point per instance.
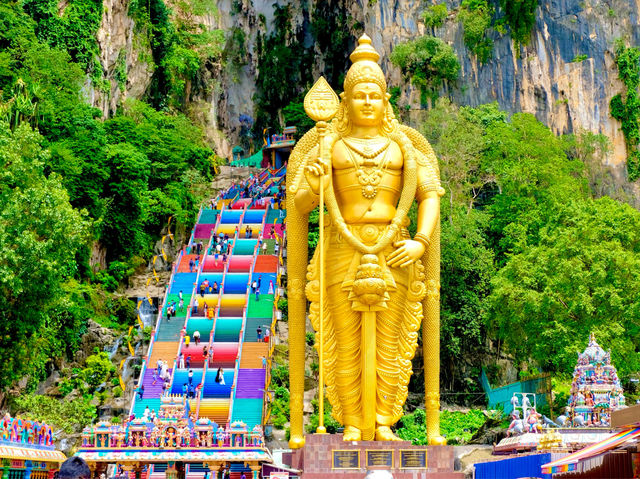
(570, 462)
(254, 160)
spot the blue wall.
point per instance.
(524, 466)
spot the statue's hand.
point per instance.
(315, 170)
(408, 252)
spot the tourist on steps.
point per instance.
(220, 376)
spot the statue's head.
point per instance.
(365, 101)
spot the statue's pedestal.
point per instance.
(328, 456)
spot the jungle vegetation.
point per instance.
(74, 183)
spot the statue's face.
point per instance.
(366, 104)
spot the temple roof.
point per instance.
(173, 454)
(32, 454)
(593, 351)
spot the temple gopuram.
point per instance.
(595, 389)
(27, 450)
(169, 444)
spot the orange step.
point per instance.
(167, 351)
(252, 354)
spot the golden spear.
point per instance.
(321, 104)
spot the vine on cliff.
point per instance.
(334, 31)
(283, 69)
(181, 45)
(476, 16)
(520, 15)
(625, 107)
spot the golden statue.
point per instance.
(374, 282)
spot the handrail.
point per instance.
(173, 375)
(187, 317)
(152, 341)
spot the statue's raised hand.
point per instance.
(315, 169)
(407, 253)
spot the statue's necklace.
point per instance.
(368, 172)
(366, 151)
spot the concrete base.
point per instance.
(316, 459)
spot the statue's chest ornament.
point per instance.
(369, 163)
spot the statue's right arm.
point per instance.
(305, 198)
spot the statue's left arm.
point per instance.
(428, 195)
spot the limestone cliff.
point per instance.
(541, 78)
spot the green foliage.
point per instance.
(280, 407)
(504, 179)
(120, 73)
(69, 415)
(69, 181)
(314, 231)
(294, 115)
(428, 61)
(334, 31)
(476, 16)
(435, 15)
(283, 305)
(39, 235)
(72, 29)
(582, 276)
(98, 370)
(458, 427)
(310, 339)
(580, 58)
(280, 403)
(330, 424)
(130, 173)
(520, 15)
(280, 375)
(282, 63)
(626, 107)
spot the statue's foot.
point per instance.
(351, 433)
(438, 441)
(383, 433)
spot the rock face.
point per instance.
(540, 78)
(123, 51)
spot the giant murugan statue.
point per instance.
(369, 284)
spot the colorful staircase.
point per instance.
(233, 314)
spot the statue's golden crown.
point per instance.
(365, 67)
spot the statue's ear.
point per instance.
(342, 96)
(387, 96)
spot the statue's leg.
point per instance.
(389, 368)
(346, 327)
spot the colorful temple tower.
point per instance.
(27, 450)
(595, 389)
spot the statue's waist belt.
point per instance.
(368, 233)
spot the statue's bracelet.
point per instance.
(422, 238)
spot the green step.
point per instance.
(262, 308)
(247, 410)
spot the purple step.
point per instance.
(250, 384)
(150, 390)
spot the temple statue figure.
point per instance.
(379, 283)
